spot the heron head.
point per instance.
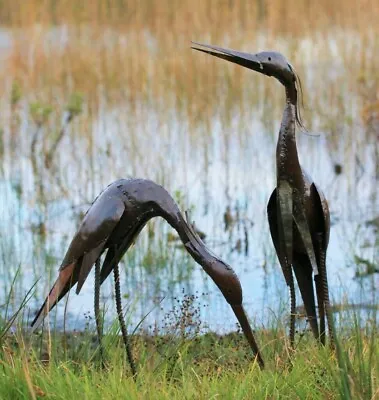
(269, 63)
(230, 286)
(227, 281)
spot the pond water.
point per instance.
(230, 167)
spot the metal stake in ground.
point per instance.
(98, 319)
(120, 315)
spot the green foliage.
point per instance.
(6, 323)
(16, 93)
(365, 267)
(40, 112)
(197, 366)
(75, 104)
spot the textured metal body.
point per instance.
(113, 222)
(298, 213)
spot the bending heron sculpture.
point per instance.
(298, 212)
(113, 222)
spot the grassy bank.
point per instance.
(202, 367)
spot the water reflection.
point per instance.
(226, 172)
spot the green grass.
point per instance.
(205, 366)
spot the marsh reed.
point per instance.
(140, 50)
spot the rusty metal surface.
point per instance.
(114, 220)
(298, 212)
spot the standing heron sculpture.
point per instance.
(298, 212)
(113, 222)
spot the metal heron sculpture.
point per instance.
(298, 212)
(113, 222)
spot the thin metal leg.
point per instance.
(320, 286)
(291, 287)
(321, 307)
(325, 288)
(288, 276)
(285, 228)
(120, 315)
(98, 320)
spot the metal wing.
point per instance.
(276, 227)
(115, 253)
(325, 212)
(97, 225)
(321, 281)
(273, 221)
(303, 269)
(86, 246)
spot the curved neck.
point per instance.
(287, 160)
(194, 247)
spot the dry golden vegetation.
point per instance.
(186, 16)
(140, 50)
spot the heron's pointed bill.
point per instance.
(242, 319)
(246, 60)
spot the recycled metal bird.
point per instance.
(113, 222)
(298, 212)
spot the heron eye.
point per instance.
(269, 58)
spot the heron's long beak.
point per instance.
(242, 319)
(246, 60)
